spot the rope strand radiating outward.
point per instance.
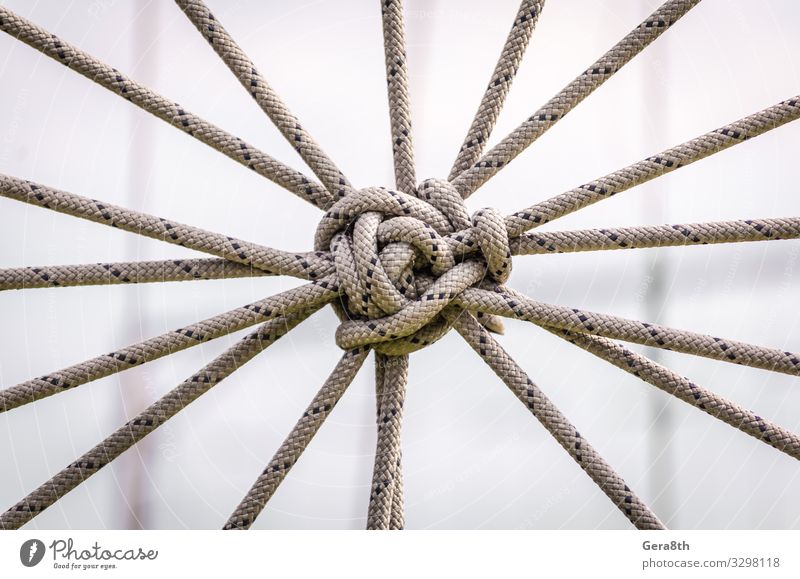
(171, 112)
(147, 421)
(386, 497)
(303, 265)
(464, 241)
(684, 389)
(123, 273)
(654, 166)
(556, 424)
(269, 101)
(555, 109)
(499, 85)
(394, 43)
(312, 295)
(657, 236)
(509, 303)
(297, 441)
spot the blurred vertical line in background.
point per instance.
(145, 64)
(661, 463)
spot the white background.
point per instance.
(473, 455)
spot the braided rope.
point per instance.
(533, 243)
(636, 511)
(397, 520)
(303, 265)
(684, 389)
(385, 500)
(657, 236)
(269, 101)
(394, 43)
(569, 97)
(464, 240)
(402, 262)
(148, 420)
(654, 166)
(312, 295)
(509, 303)
(499, 84)
(123, 273)
(166, 110)
(292, 448)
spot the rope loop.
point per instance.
(395, 263)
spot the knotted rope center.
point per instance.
(396, 265)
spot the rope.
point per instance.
(303, 265)
(148, 420)
(464, 241)
(411, 229)
(509, 303)
(312, 295)
(166, 110)
(528, 244)
(123, 273)
(394, 43)
(569, 97)
(654, 166)
(604, 476)
(401, 262)
(289, 452)
(684, 389)
(386, 501)
(657, 236)
(499, 84)
(266, 98)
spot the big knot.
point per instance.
(396, 266)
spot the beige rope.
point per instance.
(528, 244)
(269, 101)
(569, 97)
(463, 241)
(386, 500)
(123, 273)
(312, 295)
(402, 262)
(684, 389)
(657, 236)
(148, 420)
(394, 42)
(556, 423)
(303, 265)
(297, 441)
(499, 84)
(654, 166)
(510, 303)
(171, 112)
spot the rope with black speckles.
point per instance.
(295, 444)
(314, 294)
(684, 389)
(148, 420)
(470, 179)
(394, 47)
(499, 84)
(110, 78)
(401, 268)
(504, 301)
(269, 101)
(586, 457)
(386, 497)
